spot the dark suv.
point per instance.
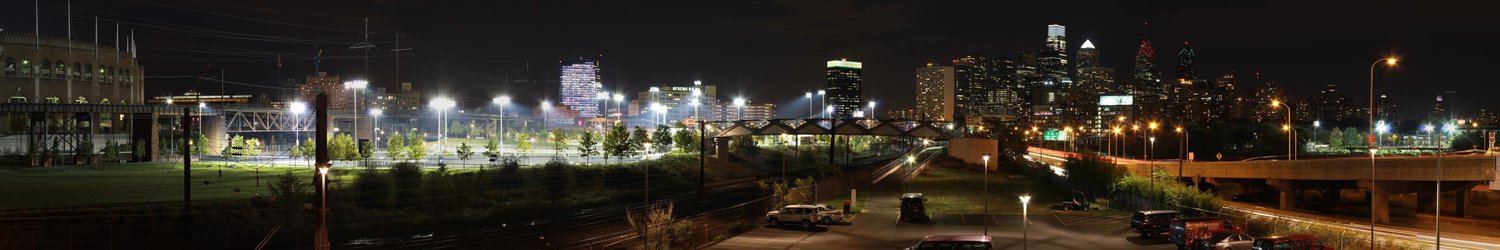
(1152, 223)
(912, 207)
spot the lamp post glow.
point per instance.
(1389, 62)
(1025, 221)
(546, 106)
(297, 108)
(1291, 135)
(500, 138)
(739, 104)
(872, 110)
(375, 126)
(357, 86)
(824, 102)
(807, 95)
(442, 104)
(618, 116)
(986, 159)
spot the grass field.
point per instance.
(960, 191)
(130, 183)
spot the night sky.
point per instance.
(774, 50)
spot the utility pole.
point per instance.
(187, 178)
(365, 45)
(320, 177)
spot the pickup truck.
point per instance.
(805, 215)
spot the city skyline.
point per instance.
(1223, 40)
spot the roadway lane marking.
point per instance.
(1071, 219)
(749, 246)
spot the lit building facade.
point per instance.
(935, 93)
(326, 83)
(42, 69)
(580, 80)
(845, 80)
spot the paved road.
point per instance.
(877, 228)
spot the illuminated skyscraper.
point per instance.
(1054, 58)
(1185, 69)
(935, 93)
(844, 86)
(1088, 56)
(579, 83)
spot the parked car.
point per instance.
(1226, 240)
(1186, 231)
(828, 214)
(953, 242)
(804, 215)
(1292, 242)
(1152, 223)
(1069, 204)
(913, 207)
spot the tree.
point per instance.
(662, 138)
(464, 151)
(395, 146)
(366, 149)
(289, 188)
(455, 129)
(616, 142)
(230, 150)
(586, 144)
(342, 148)
(1336, 139)
(492, 147)
(637, 142)
(523, 142)
(251, 147)
(200, 144)
(415, 148)
(1354, 138)
(684, 140)
(559, 140)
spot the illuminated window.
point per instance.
(88, 72)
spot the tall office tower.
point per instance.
(1485, 118)
(579, 84)
(975, 77)
(1439, 109)
(1147, 85)
(1088, 56)
(844, 86)
(1056, 37)
(1185, 69)
(1385, 109)
(1008, 97)
(1145, 65)
(1054, 58)
(1264, 94)
(1328, 105)
(935, 93)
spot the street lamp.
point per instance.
(1152, 172)
(375, 126)
(1025, 220)
(1182, 150)
(618, 116)
(910, 159)
(739, 105)
(502, 101)
(807, 95)
(442, 104)
(546, 106)
(986, 158)
(824, 102)
(297, 108)
(1291, 135)
(872, 110)
(357, 86)
(1389, 62)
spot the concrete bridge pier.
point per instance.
(1462, 204)
(1380, 197)
(1286, 192)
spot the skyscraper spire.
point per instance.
(1145, 62)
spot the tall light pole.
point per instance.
(824, 102)
(546, 106)
(697, 93)
(872, 111)
(1152, 147)
(1291, 134)
(1389, 62)
(1437, 193)
(1182, 151)
(357, 86)
(296, 108)
(375, 128)
(502, 101)
(442, 104)
(739, 105)
(986, 158)
(1025, 220)
(619, 116)
(807, 95)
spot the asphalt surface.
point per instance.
(877, 228)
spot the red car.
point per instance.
(1290, 242)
